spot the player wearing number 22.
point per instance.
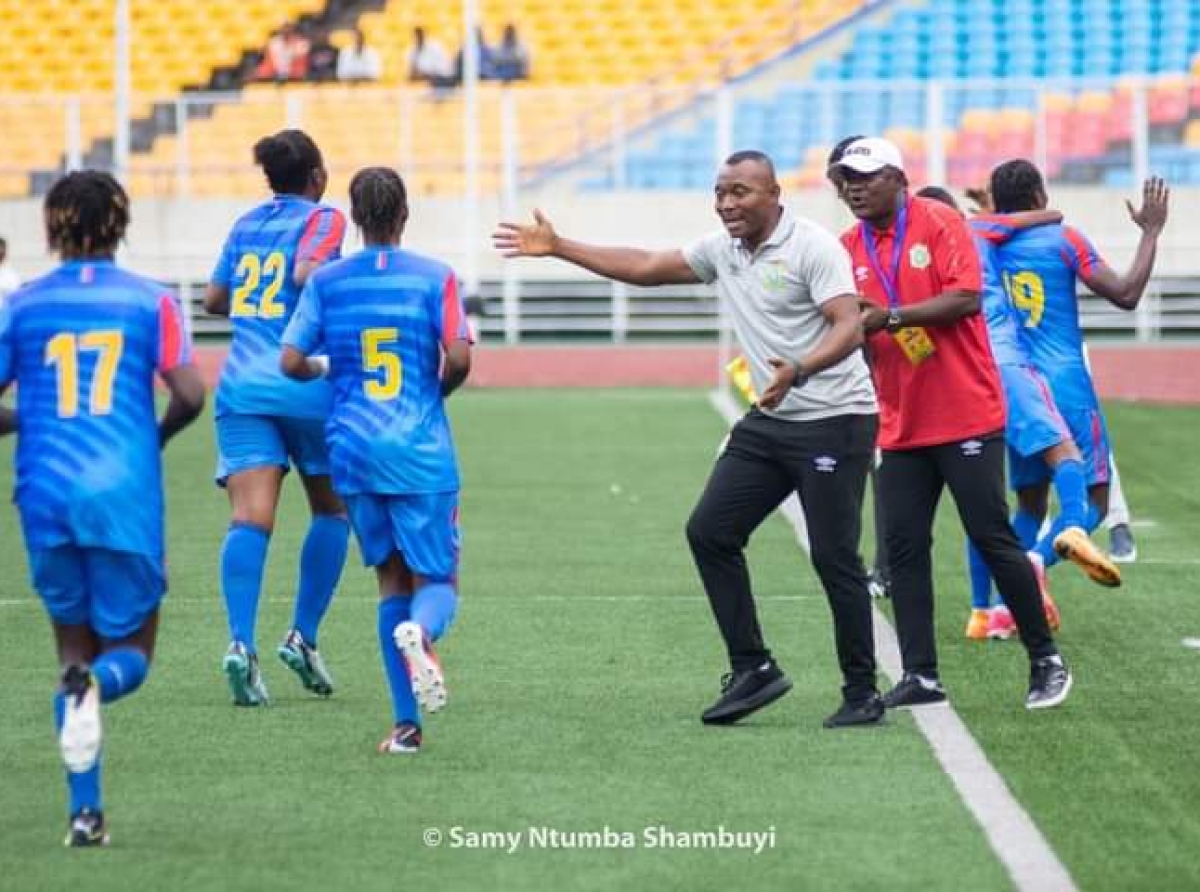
(83, 344)
(398, 343)
(266, 421)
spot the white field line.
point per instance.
(1008, 828)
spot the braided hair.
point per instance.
(1016, 186)
(86, 214)
(289, 159)
(378, 204)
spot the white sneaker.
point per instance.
(424, 671)
(245, 681)
(81, 733)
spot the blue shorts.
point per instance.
(114, 592)
(1034, 423)
(422, 528)
(1088, 430)
(245, 442)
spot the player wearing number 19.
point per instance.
(83, 344)
(1041, 267)
(389, 320)
(266, 421)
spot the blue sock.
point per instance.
(981, 579)
(243, 558)
(1026, 527)
(1094, 518)
(433, 608)
(1070, 483)
(83, 788)
(321, 561)
(394, 610)
(119, 672)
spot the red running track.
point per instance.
(1154, 374)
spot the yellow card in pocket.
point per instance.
(916, 343)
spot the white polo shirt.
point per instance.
(774, 298)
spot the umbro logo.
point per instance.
(971, 448)
(861, 273)
(826, 464)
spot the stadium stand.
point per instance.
(878, 85)
(65, 47)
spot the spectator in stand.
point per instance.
(10, 279)
(427, 60)
(322, 58)
(511, 57)
(358, 62)
(484, 53)
(286, 57)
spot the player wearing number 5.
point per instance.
(1041, 267)
(83, 344)
(398, 343)
(266, 422)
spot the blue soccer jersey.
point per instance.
(83, 344)
(989, 232)
(257, 266)
(383, 316)
(1040, 267)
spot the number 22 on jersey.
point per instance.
(62, 352)
(270, 270)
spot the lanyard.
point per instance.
(891, 279)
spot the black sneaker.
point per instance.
(914, 690)
(405, 737)
(864, 712)
(1049, 683)
(86, 829)
(745, 692)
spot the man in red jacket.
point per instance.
(941, 414)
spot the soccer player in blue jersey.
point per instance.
(398, 344)
(1041, 267)
(83, 344)
(266, 422)
(1034, 429)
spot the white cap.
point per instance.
(871, 154)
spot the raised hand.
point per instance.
(1151, 217)
(536, 240)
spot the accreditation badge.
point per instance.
(916, 343)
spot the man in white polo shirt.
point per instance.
(789, 289)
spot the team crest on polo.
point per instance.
(773, 276)
(918, 256)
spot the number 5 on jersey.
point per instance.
(384, 364)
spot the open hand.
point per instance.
(1151, 217)
(536, 240)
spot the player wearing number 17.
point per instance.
(265, 422)
(389, 320)
(83, 344)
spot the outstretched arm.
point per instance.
(1126, 291)
(633, 265)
